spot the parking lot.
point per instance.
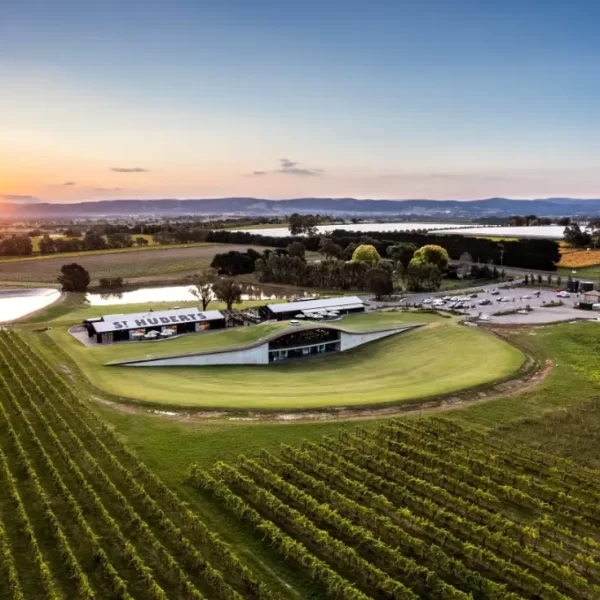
(485, 304)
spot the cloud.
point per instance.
(18, 199)
(66, 183)
(106, 189)
(129, 170)
(288, 167)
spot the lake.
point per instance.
(552, 232)
(17, 303)
(284, 231)
(544, 231)
(181, 293)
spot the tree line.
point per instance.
(538, 254)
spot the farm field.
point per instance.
(141, 265)
(578, 258)
(82, 517)
(419, 509)
(387, 371)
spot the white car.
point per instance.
(484, 317)
(527, 297)
(563, 295)
(427, 301)
(505, 299)
(522, 312)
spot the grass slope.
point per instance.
(440, 358)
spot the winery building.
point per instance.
(342, 305)
(163, 323)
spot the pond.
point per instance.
(181, 293)
(17, 303)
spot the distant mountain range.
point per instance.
(446, 209)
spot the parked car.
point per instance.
(473, 295)
(505, 299)
(485, 302)
(522, 312)
(527, 297)
(563, 295)
(427, 301)
(495, 292)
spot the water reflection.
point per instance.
(181, 293)
(543, 231)
(17, 303)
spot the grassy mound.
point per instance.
(437, 359)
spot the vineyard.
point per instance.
(420, 509)
(81, 517)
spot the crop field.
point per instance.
(419, 509)
(440, 358)
(134, 264)
(578, 258)
(81, 517)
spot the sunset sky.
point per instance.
(275, 99)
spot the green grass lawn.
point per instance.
(592, 273)
(440, 358)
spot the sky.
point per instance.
(445, 99)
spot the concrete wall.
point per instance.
(351, 340)
(249, 356)
(259, 354)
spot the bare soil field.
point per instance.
(141, 266)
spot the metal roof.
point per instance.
(156, 318)
(341, 303)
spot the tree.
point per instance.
(47, 245)
(564, 221)
(141, 241)
(349, 251)
(94, 241)
(436, 255)
(423, 276)
(296, 249)
(202, 287)
(16, 245)
(379, 282)
(575, 237)
(329, 249)
(234, 263)
(296, 225)
(227, 290)
(593, 230)
(526, 280)
(366, 254)
(74, 278)
(558, 281)
(401, 253)
(300, 224)
(119, 240)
